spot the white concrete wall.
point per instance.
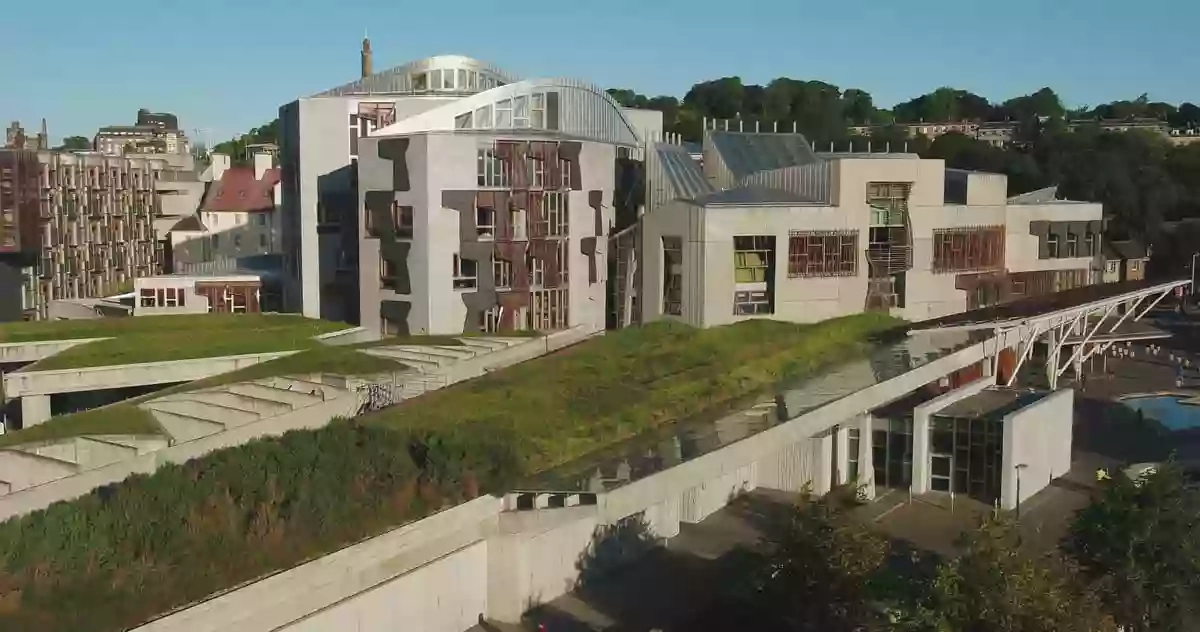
(1021, 248)
(533, 559)
(24, 383)
(1039, 437)
(20, 470)
(430, 575)
(18, 352)
(193, 303)
(930, 294)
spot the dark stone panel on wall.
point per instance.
(569, 151)
(378, 205)
(1042, 229)
(596, 201)
(396, 253)
(396, 150)
(588, 246)
(396, 312)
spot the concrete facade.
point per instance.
(324, 136)
(832, 235)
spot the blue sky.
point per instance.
(227, 65)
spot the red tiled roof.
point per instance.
(238, 191)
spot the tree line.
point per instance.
(1145, 183)
(1128, 562)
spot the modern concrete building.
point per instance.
(202, 294)
(769, 228)
(451, 116)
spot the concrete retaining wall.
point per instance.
(22, 383)
(1038, 437)
(351, 336)
(33, 351)
(430, 575)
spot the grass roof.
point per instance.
(163, 338)
(110, 560)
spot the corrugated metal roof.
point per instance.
(682, 172)
(753, 195)
(745, 153)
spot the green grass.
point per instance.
(114, 419)
(164, 338)
(561, 407)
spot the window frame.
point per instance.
(742, 262)
(464, 276)
(752, 303)
(803, 244)
(502, 273)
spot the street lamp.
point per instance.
(1018, 467)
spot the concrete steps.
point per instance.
(294, 399)
(183, 427)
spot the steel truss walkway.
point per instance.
(1075, 324)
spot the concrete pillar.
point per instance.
(866, 456)
(842, 439)
(822, 463)
(34, 409)
(920, 459)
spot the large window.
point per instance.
(963, 249)
(752, 258)
(1072, 245)
(1052, 246)
(548, 310)
(822, 253)
(853, 442)
(504, 114)
(502, 273)
(672, 298)
(553, 219)
(888, 202)
(491, 170)
(402, 219)
(466, 273)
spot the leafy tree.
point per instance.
(816, 572)
(1139, 544)
(75, 143)
(236, 148)
(995, 586)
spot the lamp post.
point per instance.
(1018, 467)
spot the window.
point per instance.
(853, 441)
(1089, 244)
(1135, 264)
(752, 258)
(1112, 266)
(552, 221)
(483, 117)
(751, 303)
(260, 219)
(216, 241)
(672, 298)
(420, 82)
(146, 298)
(502, 272)
(1072, 245)
(537, 173)
(888, 202)
(564, 168)
(504, 114)
(462, 121)
(489, 320)
(387, 271)
(963, 249)
(237, 241)
(485, 222)
(262, 241)
(448, 79)
(435, 79)
(462, 80)
(521, 111)
(466, 275)
(1052, 246)
(822, 253)
(537, 110)
(492, 171)
(402, 219)
(537, 270)
(548, 310)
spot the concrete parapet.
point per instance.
(23, 352)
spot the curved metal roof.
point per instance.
(400, 79)
(584, 111)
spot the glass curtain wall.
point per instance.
(965, 456)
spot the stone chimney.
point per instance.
(262, 162)
(367, 58)
(220, 163)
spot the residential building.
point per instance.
(1125, 260)
(1154, 125)
(322, 145)
(769, 228)
(16, 138)
(80, 225)
(236, 219)
(151, 134)
(202, 294)
(998, 134)
(1184, 136)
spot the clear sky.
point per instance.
(227, 65)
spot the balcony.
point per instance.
(886, 259)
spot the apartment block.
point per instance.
(83, 224)
(433, 110)
(770, 228)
